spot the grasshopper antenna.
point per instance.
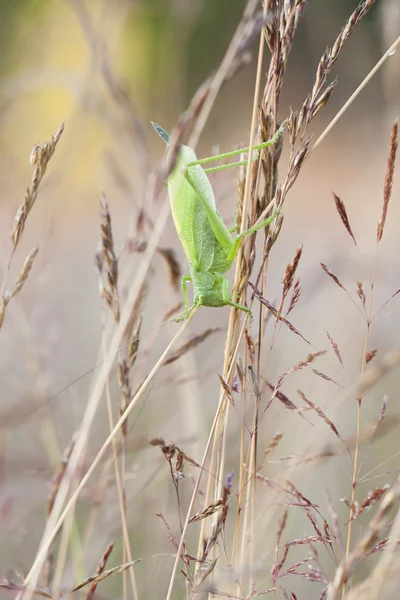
(162, 133)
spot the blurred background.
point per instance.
(106, 68)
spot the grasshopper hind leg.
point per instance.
(240, 307)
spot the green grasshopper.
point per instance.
(206, 240)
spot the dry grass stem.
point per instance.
(254, 527)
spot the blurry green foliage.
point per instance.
(13, 16)
(171, 46)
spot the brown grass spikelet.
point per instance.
(332, 276)
(100, 570)
(3, 305)
(374, 529)
(108, 242)
(273, 443)
(40, 157)
(206, 512)
(101, 576)
(99, 262)
(21, 279)
(307, 361)
(282, 397)
(157, 441)
(171, 450)
(276, 314)
(304, 501)
(380, 419)
(250, 345)
(327, 61)
(295, 167)
(387, 188)
(295, 296)
(342, 212)
(335, 526)
(174, 267)
(23, 274)
(227, 390)
(239, 204)
(372, 498)
(219, 525)
(189, 344)
(292, 127)
(108, 263)
(290, 272)
(279, 562)
(320, 413)
(323, 98)
(370, 355)
(323, 376)
(59, 476)
(360, 11)
(133, 345)
(335, 348)
(270, 156)
(377, 371)
(361, 293)
(169, 530)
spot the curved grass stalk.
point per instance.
(57, 516)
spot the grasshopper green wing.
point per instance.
(188, 210)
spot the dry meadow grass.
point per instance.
(223, 457)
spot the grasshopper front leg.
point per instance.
(235, 245)
(188, 308)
